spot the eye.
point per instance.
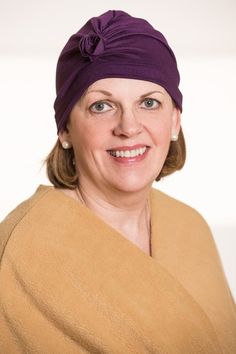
(100, 107)
(150, 103)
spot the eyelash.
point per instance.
(91, 108)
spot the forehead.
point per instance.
(122, 85)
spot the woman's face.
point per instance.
(120, 130)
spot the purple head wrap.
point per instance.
(112, 45)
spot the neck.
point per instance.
(128, 213)
(114, 201)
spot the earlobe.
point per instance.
(65, 139)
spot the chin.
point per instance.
(133, 184)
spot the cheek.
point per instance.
(160, 132)
(88, 137)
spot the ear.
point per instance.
(176, 121)
(64, 137)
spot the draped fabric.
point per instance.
(113, 45)
(70, 283)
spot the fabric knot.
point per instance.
(91, 45)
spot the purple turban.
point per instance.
(112, 45)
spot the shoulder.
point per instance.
(15, 218)
(184, 240)
(180, 227)
(175, 211)
(48, 216)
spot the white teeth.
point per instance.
(132, 153)
(128, 153)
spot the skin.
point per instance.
(118, 114)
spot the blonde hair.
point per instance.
(61, 169)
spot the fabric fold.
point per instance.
(69, 274)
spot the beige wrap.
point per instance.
(69, 283)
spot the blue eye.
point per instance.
(151, 103)
(99, 107)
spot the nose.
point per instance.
(128, 125)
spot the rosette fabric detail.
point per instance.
(91, 45)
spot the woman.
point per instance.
(101, 262)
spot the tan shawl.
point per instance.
(69, 283)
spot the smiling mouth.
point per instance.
(132, 153)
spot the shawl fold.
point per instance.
(70, 283)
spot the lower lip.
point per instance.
(130, 160)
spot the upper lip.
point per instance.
(125, 148)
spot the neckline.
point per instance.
(89, 213)
(128, 252)
(81, 200)
(150, 271)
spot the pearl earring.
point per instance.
(66, 145)
(174, 137)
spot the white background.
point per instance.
(203, 36)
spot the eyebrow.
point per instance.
(150, 93)
(102, 91)
(110, 94)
